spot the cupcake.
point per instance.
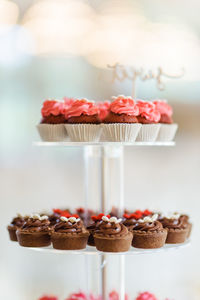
(57, 213)
(83, 121)
(121, 124)
(130, 220)
(177, 228)
(85, 215)
(35, 232)
(146, 296)
(92, 228)
(69, 234)
(103, 109)
(48, 298)
(16, 223)
(51, 128)
(185, 219)
(149, 117)
(148, 233)
(112, 236)
(168, 128)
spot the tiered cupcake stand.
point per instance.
(104, 185)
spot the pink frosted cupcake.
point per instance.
(168, 128)
(103, 109)
(83, 123)
(51, 127)
(149, 117)
(121, 123)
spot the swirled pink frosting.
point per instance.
(163, 107)
(81, 107)
(68, 102)
(103, 109)
(52, 107)
(148, 110)
(124, 105)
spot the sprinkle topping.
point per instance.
(149, 219)
(70, 219)
(38, 217)
(111, 220)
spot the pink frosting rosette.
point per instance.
(68, 102)
(52, 107)
(124, 105)
(146, 296)
(82, 296)
(81, 107)
(148, 111)
(163, 107)
(103, 109)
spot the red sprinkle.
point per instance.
(147, 212)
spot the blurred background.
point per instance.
(51, 49)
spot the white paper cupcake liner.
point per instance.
(120, 132)
(52, 132)
(167, 132)
(148, 133)
(83, 132)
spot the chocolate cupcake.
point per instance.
(35, 232)
(112, 236)
(16, 223)
(69, 234)
(186, 220)
(131, 219)
(121, 123)
(148, 233)
(177, 228)
(85, 215)
(93, 228)
(57, 213)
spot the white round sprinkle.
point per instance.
(64, 219)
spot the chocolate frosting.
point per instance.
(130, 223)
(94, 227)
(68, 227)
(111, 228)
(36, 225)
(185, 219)
(18, 222)
(54, 218)
(174, 223)
(146, 226)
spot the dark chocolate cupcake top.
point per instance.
(148, 224)
(96, 221)
(173, 221)
(36, 223)
(69, 225)
(112, 227)
(131, 220)
(18, 221)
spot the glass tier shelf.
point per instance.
(93, 251)
(101, 144)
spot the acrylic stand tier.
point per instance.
(104, 184)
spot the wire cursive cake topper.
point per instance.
(121, 73)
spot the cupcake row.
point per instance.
(122, 120)
(112, 296)
(65, 231)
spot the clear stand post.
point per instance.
(104, 184)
